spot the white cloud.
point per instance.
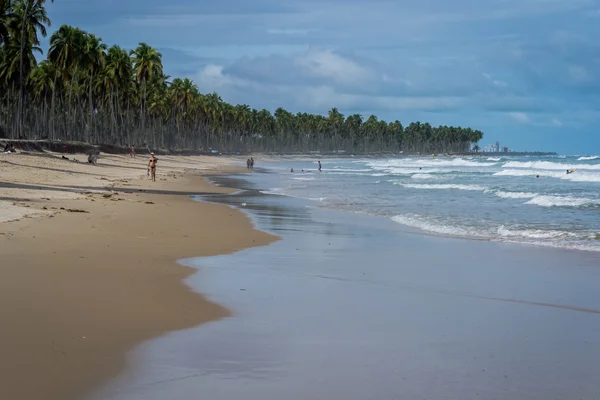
(520, 117)
(291, 32)
(579, 74)
(327, 64)
(495, 82)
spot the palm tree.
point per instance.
(93, 60)
(81, 74)
(30, 16)
(65, 52)
(147, 63)
(5, 7)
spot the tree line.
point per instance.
(86, 91)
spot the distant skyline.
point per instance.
(525, 72)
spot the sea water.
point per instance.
(353, 306)
(519, 199)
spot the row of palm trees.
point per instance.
(86, 91)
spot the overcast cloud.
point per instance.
(526, 72)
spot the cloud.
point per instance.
(328, 64)
(520, 117)
(532, 63)
(302, 32)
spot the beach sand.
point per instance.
(88, 264)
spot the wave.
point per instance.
(304, 179)
(549, 165)
(515, 195)
(441, 186)
(588, 158)
(424, 176)
(535, 233)
(280, 192)
(538, 237)
(494, 158)
(430, 225)
(424, 162)
(575, 177)
(339, 169)
(563, 201)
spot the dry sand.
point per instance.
(88, 264)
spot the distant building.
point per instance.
(505, 149)
(497, 147)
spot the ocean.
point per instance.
(492, 198)
(365, 296)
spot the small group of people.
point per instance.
(10, 148)
(250, 163)
(318, 162)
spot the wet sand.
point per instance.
(356, 307)
(88, 265)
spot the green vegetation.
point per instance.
(87, 91)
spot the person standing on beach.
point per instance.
(152, 166)
(251, 162)
(319, 165)
(132, 151)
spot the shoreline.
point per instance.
(453, 315)
(95, 273)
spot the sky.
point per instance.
(525, 72)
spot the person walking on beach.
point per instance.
(319, 165)
(132, 151)
(251, 162)
(248, 163)
(152, 166)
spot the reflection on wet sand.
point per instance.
(353, 307)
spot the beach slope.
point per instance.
(88, 264)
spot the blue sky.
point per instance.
(525, 72)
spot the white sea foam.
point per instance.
(426, 162)
(535, 233)
(274, 191)
(430, 225)
(562, 201)
(515, 195)
(338, 169)
(549, 165)
(425, 176)
(441, 186)
(588, 158)
(304, 179)
(578, 176)
(494, 159)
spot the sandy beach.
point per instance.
(88, 263)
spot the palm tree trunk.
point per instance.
(21, 72)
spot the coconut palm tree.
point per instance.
(5, 8)
(147, 63)
(28, 17)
